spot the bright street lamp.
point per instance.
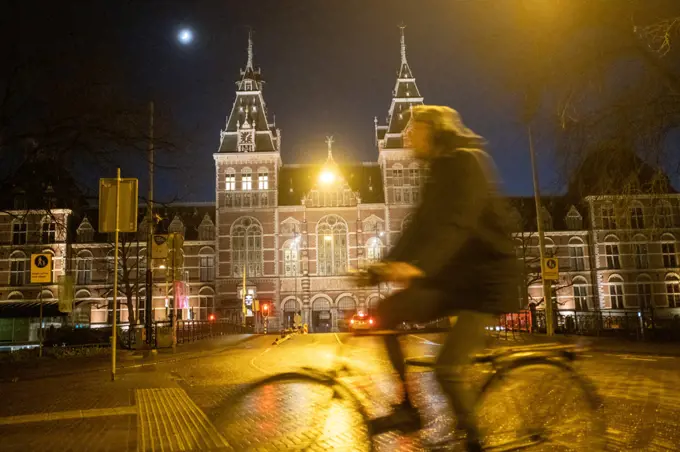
(185, 36)
(327, 177)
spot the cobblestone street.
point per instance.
(189, 402)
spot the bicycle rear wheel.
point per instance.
(540, 404)
(293, 411)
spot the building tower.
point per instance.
(246, 168)
(401, 173)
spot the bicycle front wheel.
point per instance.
(540, 404)
(293, 411)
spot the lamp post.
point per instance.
(547, 291)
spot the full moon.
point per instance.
(185, 36)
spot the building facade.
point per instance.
(291, 234)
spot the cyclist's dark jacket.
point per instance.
(459, 236)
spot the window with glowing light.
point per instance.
(246, 179)
(374, 249)
(263, 179)
(580, 287)
(230, 180)
(332, 246)
(246, 247)
(291, 258)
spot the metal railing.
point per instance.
(187, 331)
(661, 324)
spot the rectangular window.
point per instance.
(616, 295)
(246, 182)
(613, 258)
(206, 268)
(641, 256)
(580, 298)
(670, 258)
(49, 233)
(230, 182)
(263, 181)
(19, 272)
(644, 294)
(608, 218)
(84, 271)
(397, 177)
(637, 219)
(19, 233)
(576, 258)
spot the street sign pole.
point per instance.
(42, 329)
(115, 281)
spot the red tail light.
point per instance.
(211, 317)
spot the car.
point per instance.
(361, 322)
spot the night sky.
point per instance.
(330, 67)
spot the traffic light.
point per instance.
(265, 309)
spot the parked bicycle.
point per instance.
(331, 409)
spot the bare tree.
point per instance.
(131, 271)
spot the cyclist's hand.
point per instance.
(401, 272)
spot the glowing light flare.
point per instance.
(328, 238)
(185, 36)
(327, 177)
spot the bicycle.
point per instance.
(331, 388)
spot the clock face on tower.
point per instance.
(246, 137)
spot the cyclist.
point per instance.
(456, 257)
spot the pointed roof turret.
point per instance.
(404, 96)
(329, 143)
(247, 128)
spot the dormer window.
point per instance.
(248, 85)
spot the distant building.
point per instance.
(297, 230)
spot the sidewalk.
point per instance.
(48, 367)
(598, 344)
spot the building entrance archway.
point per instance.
(321, 316)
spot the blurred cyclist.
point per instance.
(456, 257)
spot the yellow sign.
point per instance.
(127, 205)
(551, 269)
(41, 268)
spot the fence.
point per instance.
(187, 331)
(661, 324)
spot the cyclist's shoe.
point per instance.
(405, 418)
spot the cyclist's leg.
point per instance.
(417, 303)
(467, 336)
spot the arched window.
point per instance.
(669, 251)
(19, 232)
(574, 219)
(577, 259)
(263, 179)
(611, 252)
(640, 252)
(84, 262)
(16, 295)
(608, 217)
(347, 307)
(331, 233)
(206, 264)
(206, 303)
(616, 292)
(19, 271)
(673, 291)
(644, 291)
(291, 257)
(48, 230)
(637, 216)
(580, 286)
(85, 232)
(246, 179)
(230, 179)
(374, 249)
(176, 226)
(206, 230)
(664, 214)
(246, 247)
(550, 249)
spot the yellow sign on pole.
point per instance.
(41, 268)
(551, 269)
(126, 208)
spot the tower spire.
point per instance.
(329, 142)
(249, 63)
(403, 44)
